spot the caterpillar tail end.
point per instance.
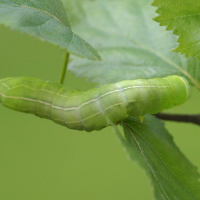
(141, 118)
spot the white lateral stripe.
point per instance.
(75, 122)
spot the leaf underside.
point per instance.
(131, 43)
(46, 20)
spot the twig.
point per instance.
(179, 118)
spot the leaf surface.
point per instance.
(181, 16)
(47, 20)
(171, 173)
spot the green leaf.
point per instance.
(171, 173)
(131, 44)
(47, 20)
(181, 16)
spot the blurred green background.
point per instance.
(40, 160)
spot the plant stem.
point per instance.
(195, 119)
(64, 69)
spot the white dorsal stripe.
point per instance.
(78, 107)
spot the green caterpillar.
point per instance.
(90, 110)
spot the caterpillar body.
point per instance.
(90, 110)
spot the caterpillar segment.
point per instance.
(90, 110)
